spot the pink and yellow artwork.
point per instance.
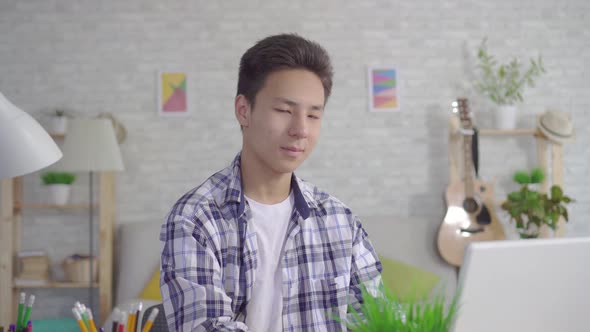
(383, 90)
(172, 94)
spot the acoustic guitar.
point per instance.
(470, 212)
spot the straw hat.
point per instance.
(556, 126)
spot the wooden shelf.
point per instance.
(549, 159)
(58, 284)
(11, 219)
(54, 206)
(512, 132)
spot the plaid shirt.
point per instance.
(209, 259)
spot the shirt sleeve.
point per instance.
(191, 280)
(365, 269)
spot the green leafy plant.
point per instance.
(530, 209)
(385, 312)
(58, 178)
(504, 83)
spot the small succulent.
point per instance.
(58, 178)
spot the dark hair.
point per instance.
(284, 51)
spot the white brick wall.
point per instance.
(101, 56)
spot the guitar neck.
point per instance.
(468, 164)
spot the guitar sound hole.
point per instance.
(470, 205)
(484, 217)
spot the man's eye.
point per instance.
(315, 117)
(282, 111)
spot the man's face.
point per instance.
(284, 126)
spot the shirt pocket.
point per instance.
(326, 301)
(331, 291)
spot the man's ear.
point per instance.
(243, 110)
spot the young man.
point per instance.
(255, 248)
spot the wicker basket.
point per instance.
(77, 269)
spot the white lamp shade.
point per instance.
(25, 146)
(90, 145)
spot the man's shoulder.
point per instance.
(323, 200)
(205, 197)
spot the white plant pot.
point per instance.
(506, 117)
(59, 125)
(59, 193)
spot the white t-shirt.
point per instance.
(270, 222)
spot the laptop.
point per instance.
(532, 285)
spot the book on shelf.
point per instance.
(34, 260)
(44, 274)
(30, 282)
(32, 253)
(33, 266)
(33, 275)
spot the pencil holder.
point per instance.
(77, 268)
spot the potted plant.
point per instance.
(385, 312)
(59, 184)
(531, 209)
(504, 83)
(58, 122)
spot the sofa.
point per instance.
(404, 240)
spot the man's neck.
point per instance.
(261, 183)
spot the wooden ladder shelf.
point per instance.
(549, 157)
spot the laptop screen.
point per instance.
(531, 285)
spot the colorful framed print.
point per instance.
(383, 89)
(173, 93)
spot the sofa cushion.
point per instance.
(406, 281)
(151, 291)
(412, 241)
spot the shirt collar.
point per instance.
(303, 196)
